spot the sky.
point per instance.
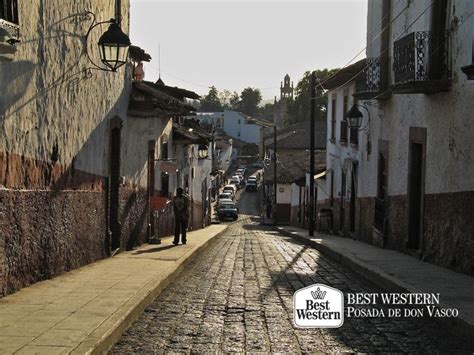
(237, 44)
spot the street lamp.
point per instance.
(203, 151)
(354, 121)
(354, 117)
(113, 46)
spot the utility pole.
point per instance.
(312, 207)
(275, 174)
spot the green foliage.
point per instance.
(249, 100)
(211, 102)
(299, 108)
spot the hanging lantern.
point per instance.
(203, 151)
(113, 46)
(354, 117)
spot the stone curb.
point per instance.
(458, 326)
(113, 328)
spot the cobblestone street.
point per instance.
(236, 296)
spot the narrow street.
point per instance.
(236, 296)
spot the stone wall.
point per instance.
(133, 217)
(46, 233)
(447, 231)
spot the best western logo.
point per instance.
(318, 306)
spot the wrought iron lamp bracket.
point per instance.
(93, 25)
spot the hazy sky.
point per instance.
(236, 44)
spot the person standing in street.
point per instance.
(181, 215)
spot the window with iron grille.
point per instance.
(333, 119)
(9, 10)
(343, 137)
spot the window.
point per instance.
(164, 150)
(343, 137)
(333, 119)
(9, 11)
(165, 184)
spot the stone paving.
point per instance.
(236, 296)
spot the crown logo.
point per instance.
(318, 294)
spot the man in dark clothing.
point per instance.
(181, 215)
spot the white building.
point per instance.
(235, 124)
(415, 191)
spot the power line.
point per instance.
(382, 52)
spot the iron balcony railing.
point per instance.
(419, 57)
(370, 81)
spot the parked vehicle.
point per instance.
(225, 195)
(242, 180)
(235, 182)
(230, 188)
(241, 171)
(251, 185)
(228, 211)
(252, 178)
(224, 201)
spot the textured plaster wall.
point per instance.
(54, 145)
(43, 234)
(49, 106)
(446, 116)
(447, 237)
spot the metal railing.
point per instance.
(164, 221)
(411, 57)
(370, 82)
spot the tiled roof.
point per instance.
(292, 166)
(345, 75)
(297, 136)
(148, 100)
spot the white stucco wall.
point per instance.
(234, 124)
(340, 155)
(446, 115)
(46, 97)
(285, 196)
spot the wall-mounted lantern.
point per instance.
(354, 117)
(354, 120)
(203, 151)
(113, 46)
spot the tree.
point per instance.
(234, 101)
(266, 112)
(249, 100)
(299, 108)
(211, 102)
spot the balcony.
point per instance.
(419, 64)
(372, 84)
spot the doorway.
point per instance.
(341, 207)
(114, 188)
(352, 205)
(416, 187)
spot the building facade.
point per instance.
(414, 190)
(60, 129)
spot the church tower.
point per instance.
(286, 91)
(280, 108)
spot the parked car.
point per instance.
(224, 201)
(242, 179)
(235, 181)
(228, 210)
(252, 178)
(225, 195)
(230, 188)
(241, 171)
(251, 185)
